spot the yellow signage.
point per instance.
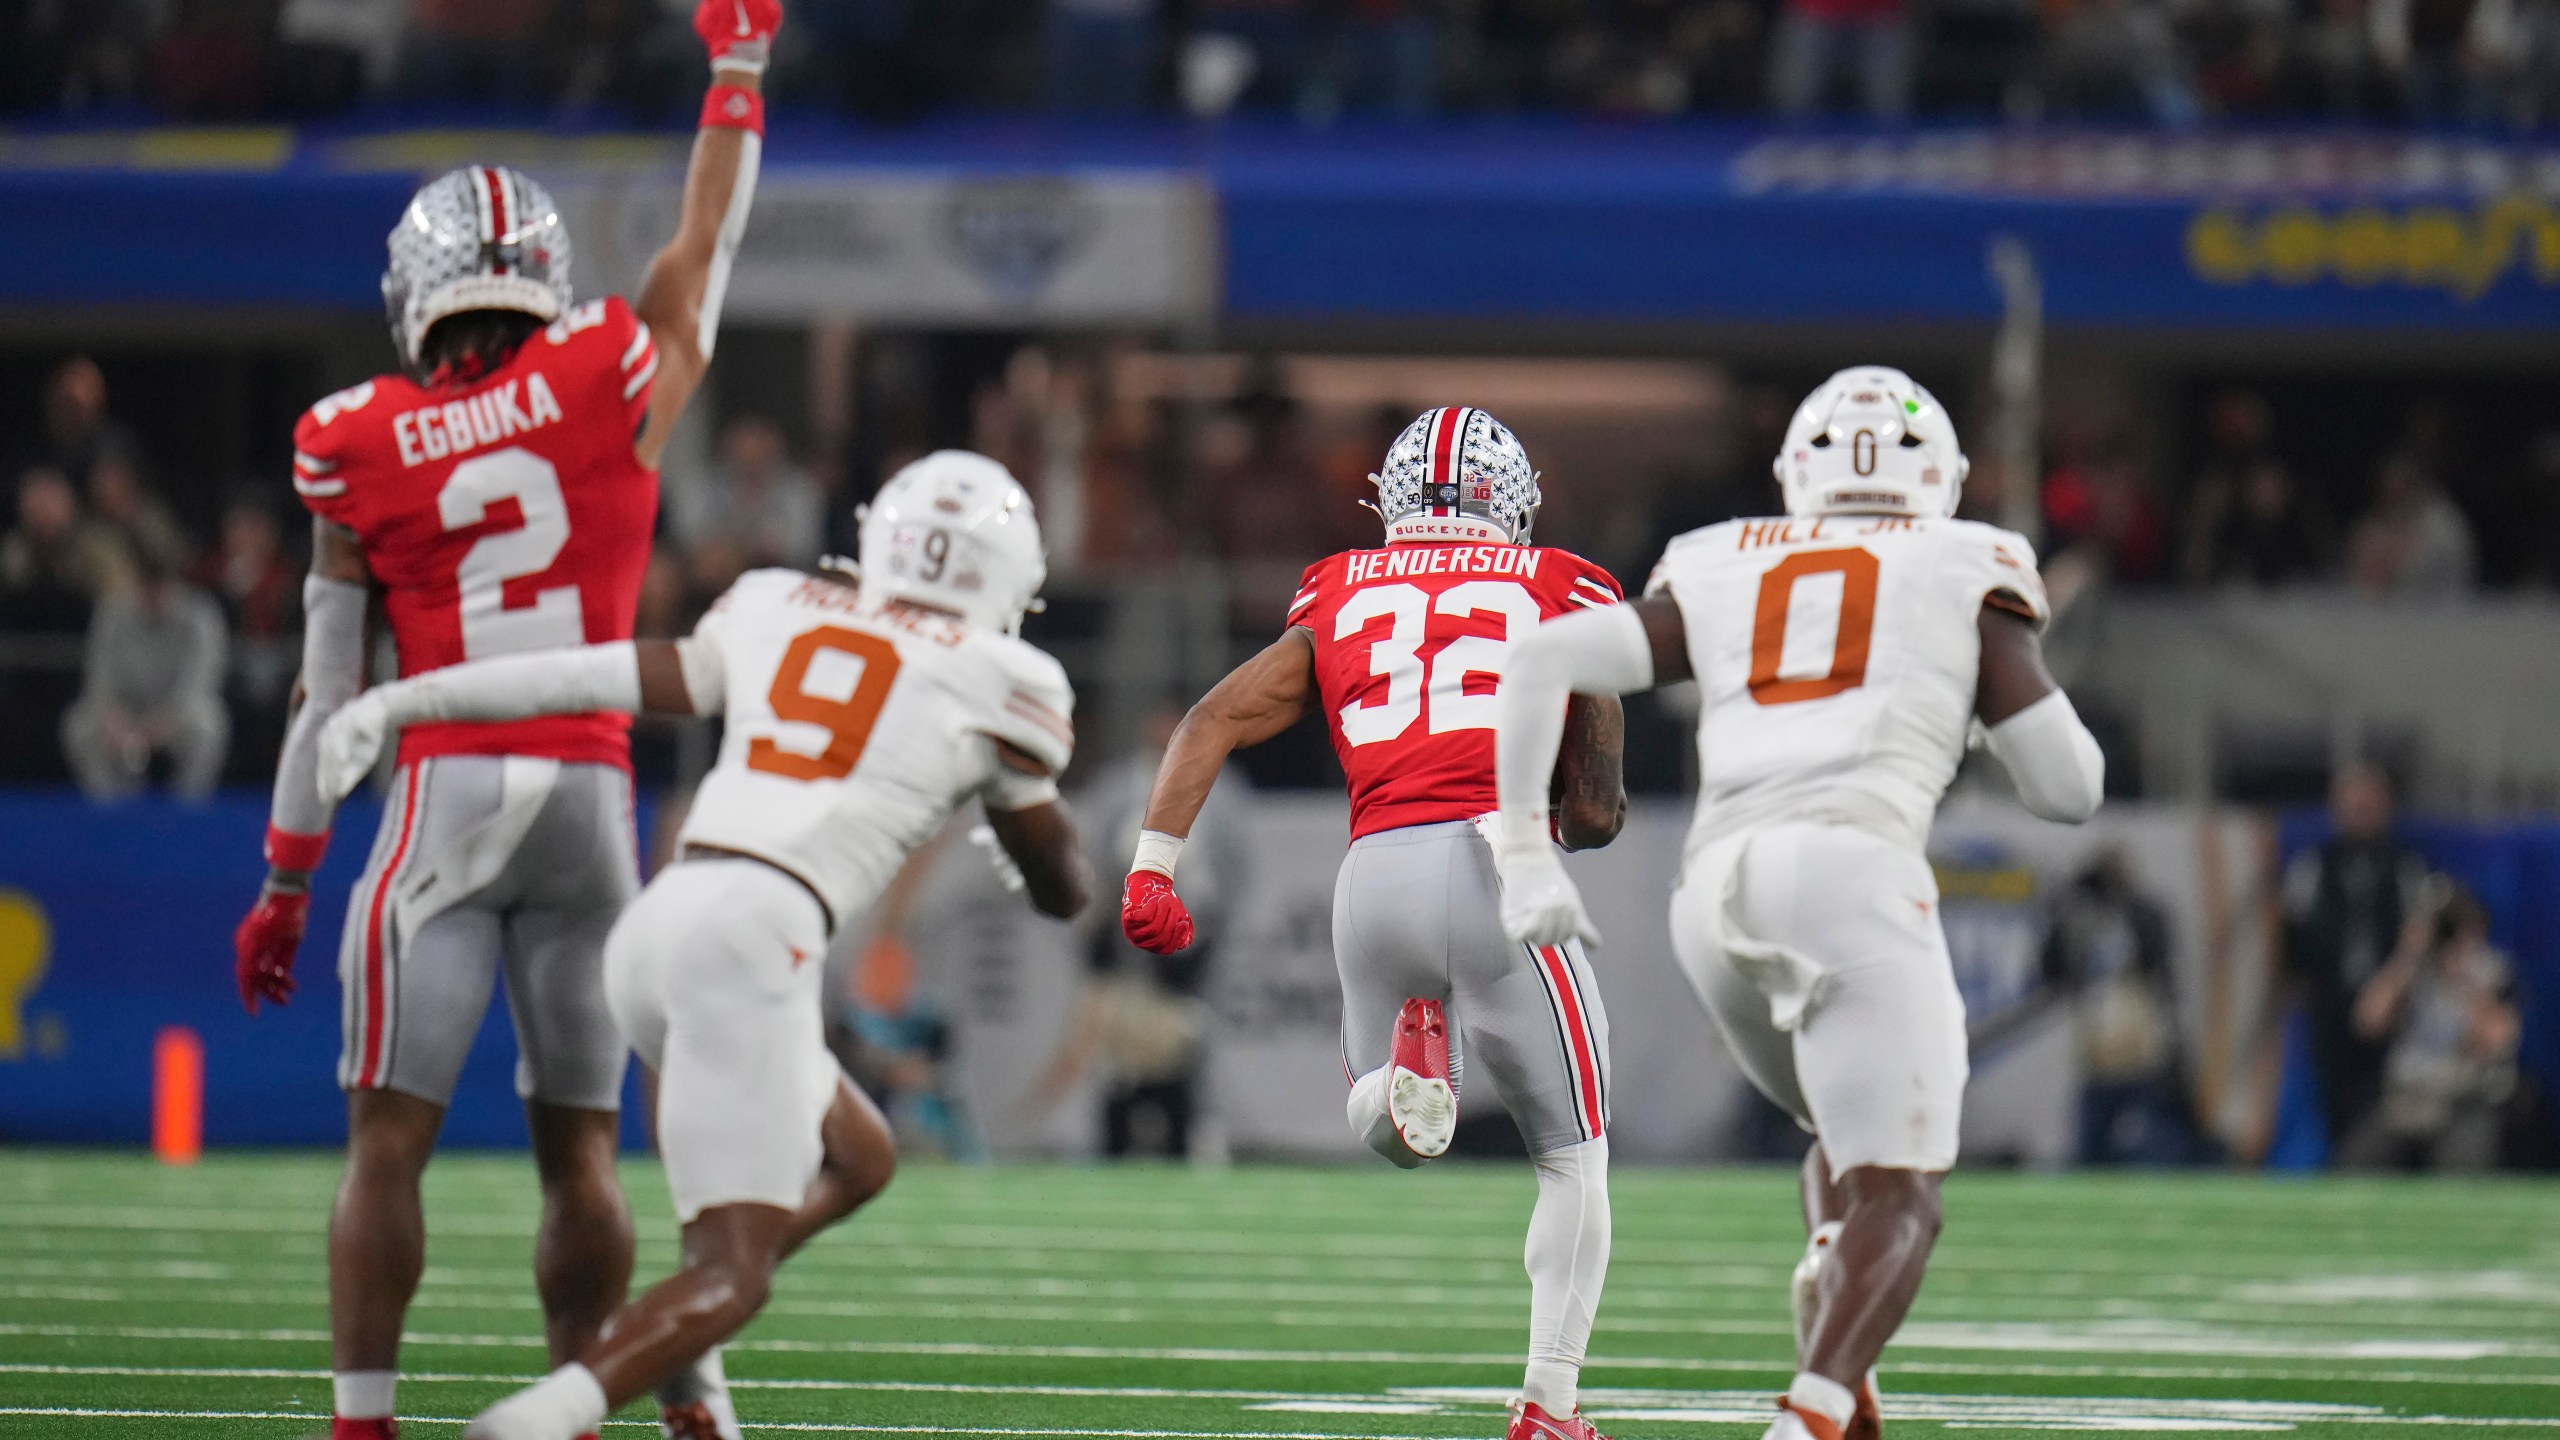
(2427, 247)
(26, 945)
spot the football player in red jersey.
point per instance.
(1403, 647)
(496, 496)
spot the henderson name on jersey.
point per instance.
(1837, 659)
(855, 727)
(499, 515)
(1409, 644)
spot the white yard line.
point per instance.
(1216, 1355)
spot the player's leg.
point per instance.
(715, 968)
(1852, 955)
(571, 876)
(414, 997)
(1540, 1036)
(1398, 1049)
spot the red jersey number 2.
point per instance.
(489, 627)
(1436, 685)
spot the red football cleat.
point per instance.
(1420, 1099)
(379, 1427)
(689, 1422)
(1867, 1421)
(1529, 1422)
(1797, 1423)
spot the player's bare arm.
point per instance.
(1590, 795)
(2052, 758)
(1260, 698)
(1057, 877)
(681, 297)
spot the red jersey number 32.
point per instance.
(1435, 687)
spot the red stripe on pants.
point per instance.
(1577, 1035)
(368, 1073)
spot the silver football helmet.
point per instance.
(480, 238)
(1457, 473)
(1871, 440)
(955, 530)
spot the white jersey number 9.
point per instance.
(489, 626)
(1397, 656)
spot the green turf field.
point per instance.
(1321, 1303)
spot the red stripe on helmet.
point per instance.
(1446, 429)
(496, 186)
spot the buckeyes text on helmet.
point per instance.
(480, 238)
(1456, 473)
(1871, 440)
(955, 531)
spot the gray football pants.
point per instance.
(1416, 914)
(486, 866)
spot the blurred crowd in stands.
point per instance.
(181, 624)
(2457, 63)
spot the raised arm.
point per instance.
(659, 677)
(1260, 698)
(334, 597)
(2053, 759)
(687, 281)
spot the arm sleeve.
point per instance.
(1600, 651)
(332, 672)
(512, 687)
(2053, 759)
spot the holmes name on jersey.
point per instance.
(435, 432)
(1362, 566)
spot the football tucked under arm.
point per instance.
(1588, 796)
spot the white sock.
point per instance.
(1568, 1259)
(704, 1382)
(561, 1405)
(1367, 1112)
(1827, 1398)
(363, 1394)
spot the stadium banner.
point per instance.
(116, 921)
(974, 223)
(882, 246)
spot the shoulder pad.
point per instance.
(322, 439)
(1033, 707)
(2007, 565)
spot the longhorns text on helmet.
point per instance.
(484, 237)
(1871, 440)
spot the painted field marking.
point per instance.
(1213, 1355)
(801, 1426)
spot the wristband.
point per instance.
(733, 107)
(288, 851)
(1157, 851)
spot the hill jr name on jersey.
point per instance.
(434, 432)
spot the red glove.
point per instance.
(738, 33)
(1152, 916)
(265, 943)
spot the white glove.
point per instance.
(1540, 905)
(350, 743)
(1008, 874)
